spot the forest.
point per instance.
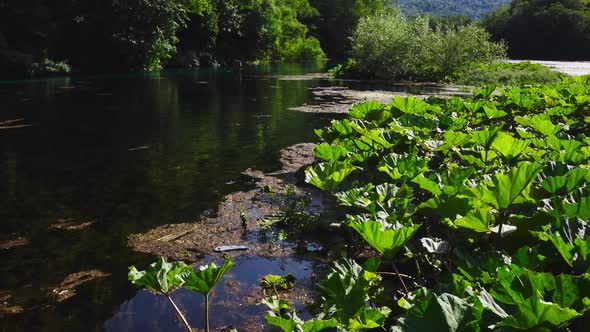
(41, 37)
(123, 35)
(470, 8)
(539, 29)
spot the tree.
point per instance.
(543, 29)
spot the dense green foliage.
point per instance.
(145, 34)
(483, 201)
(505, 73)
(393, 47)
(469, 8)
(337, 20)
(543, 29)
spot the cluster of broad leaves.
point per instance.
(484, 201)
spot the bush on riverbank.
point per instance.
(505, 73)
(393, 47)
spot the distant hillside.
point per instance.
(470, 8)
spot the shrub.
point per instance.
(505, 73)
(47, 67)
(394, 47)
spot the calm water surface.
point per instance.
(131, 153)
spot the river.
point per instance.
(87, 161)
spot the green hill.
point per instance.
(469, 8)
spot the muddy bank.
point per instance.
(340, 99)
(244, 217)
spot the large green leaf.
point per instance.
(565, 183)
(346, 290)
(536, 313)
(328, 176)
(508, 146)
(441, 313)
(160, 276)
(410, 105)
(368, 318)
(207, 277)
(330, 152)
(479, 220)
(370, 111)
(386, 241)
(292, 323)
(403, 166)
(509, 188)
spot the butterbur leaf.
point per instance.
(543, 125)
(485, 92)
(368, 318)
(372, 264)
(441, 313)
(493, 113)
(274, 304)
(330, 152)
(327, 176)
(509, 146)
(581, 209)
(318, 325)
(347, 287)
(403, 166)
(534, 312)
(370, 111)
(387, 242)
(509, 188)
(285, 324)
(292, 323)
(427, 184)
(360, 110)
(565, 183)
(410, 105)
(489, 303)
(160, 276)
(207, 277)
(478, 220)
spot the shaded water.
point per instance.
(130, 153)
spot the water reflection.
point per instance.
(130, 153)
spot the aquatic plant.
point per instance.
(205, 279)
(162, 277)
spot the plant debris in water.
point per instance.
(339, 99)
(10, 244)
(239, 215)
(67, 288)
(70, 224)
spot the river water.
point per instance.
(125, 154)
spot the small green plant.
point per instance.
(276, 283)
(162, 277)
(205, 279)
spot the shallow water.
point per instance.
(129, 153)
